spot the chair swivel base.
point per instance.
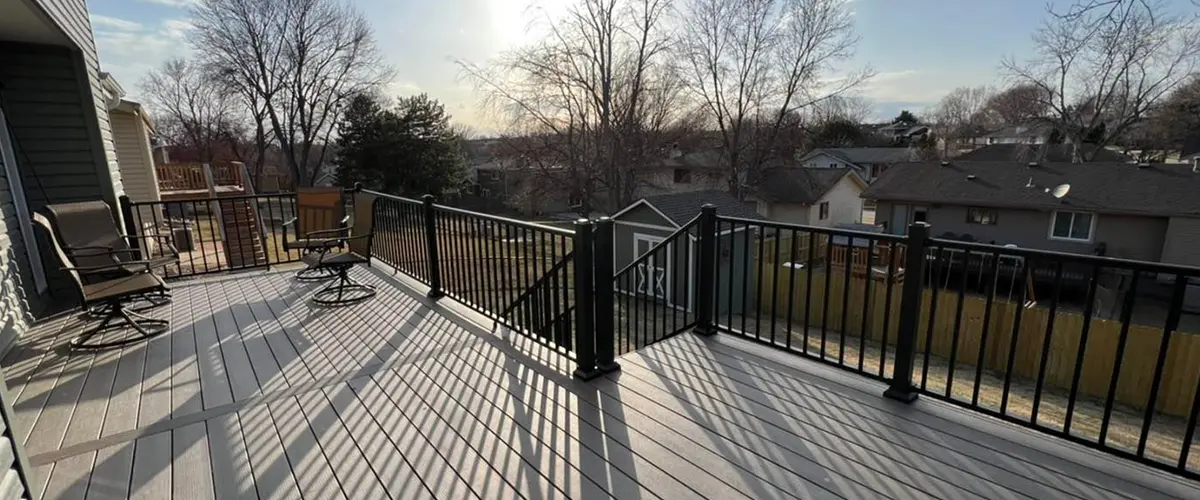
(315, 273)
(144, 303)
(145, 327)
(344, 291)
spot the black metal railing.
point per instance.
(822, 293)
(216, 234)
(527, 277)
(655, 291)
(1092, 349)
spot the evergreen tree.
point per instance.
(409, 149)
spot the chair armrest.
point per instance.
(163, 239)
(327, 231)
(290, 221)
(107, 267)
(337, 242)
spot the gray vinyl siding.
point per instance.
(72, 17)
(1182, 245)
(1124, 236)
(53, 120)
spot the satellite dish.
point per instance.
(1060, 190)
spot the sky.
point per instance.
(919, 49)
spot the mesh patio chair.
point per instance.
(90, 237)
(113, 291)
(320, 219)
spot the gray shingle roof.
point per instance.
(681, 208)
(1037, 152)
(868, 155)
(1159, 189)
(798, 184)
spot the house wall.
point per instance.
(792, 213)
(1182, 243)
(845, 204)
(132, 143)
(1128, 237)
(16, 282)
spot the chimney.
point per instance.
(1032, 164)
(945, 163)
(1143, 165)
(970, 177)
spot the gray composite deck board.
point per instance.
(256, 393)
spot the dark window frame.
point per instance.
(823, 210)
(983, 221)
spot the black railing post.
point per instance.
(431, 247)
(706, 270)
(126, 207)
(605, 329)
(585, 319)
(901, 387)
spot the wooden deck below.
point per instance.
(258, 394)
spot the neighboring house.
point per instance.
(1133, 211)
(903, 132)
(1053, 153)
(811, 196)
(649, 221)
(132, 129)
(529, 191)
(1025, 133)
(868, 162)
(686, 172)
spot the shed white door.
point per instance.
(653, 277)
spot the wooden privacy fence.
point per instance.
(862, 256)
(1136, 375)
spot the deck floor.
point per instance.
(258, 394)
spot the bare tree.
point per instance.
(751, 64)
(1102, 64)
(191, 110)
(295, 62)
(961, 114)
(591, 104)
(1015, 105)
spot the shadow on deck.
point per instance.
(256, 393)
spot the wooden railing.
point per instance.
(191, 176)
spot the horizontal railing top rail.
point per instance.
(494, 218)
(784, 226)
(1050, 255)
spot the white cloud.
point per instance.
(100, 21)
(130, 54)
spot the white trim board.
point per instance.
(24, 218)
(648, 204)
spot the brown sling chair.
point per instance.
(90, 238)
(319, 226)
(112, 286)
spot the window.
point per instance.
(575, 199)
(683, 176)
(1074, 226)
(833, 165)
(983, 216)
(824, 210)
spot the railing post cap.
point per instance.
(358, 187)
(708, 207)
(583, 222)
(428, 198)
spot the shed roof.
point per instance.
(681, 208)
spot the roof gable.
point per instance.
(802, 185)
(681, 208)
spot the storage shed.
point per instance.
(652, 220)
